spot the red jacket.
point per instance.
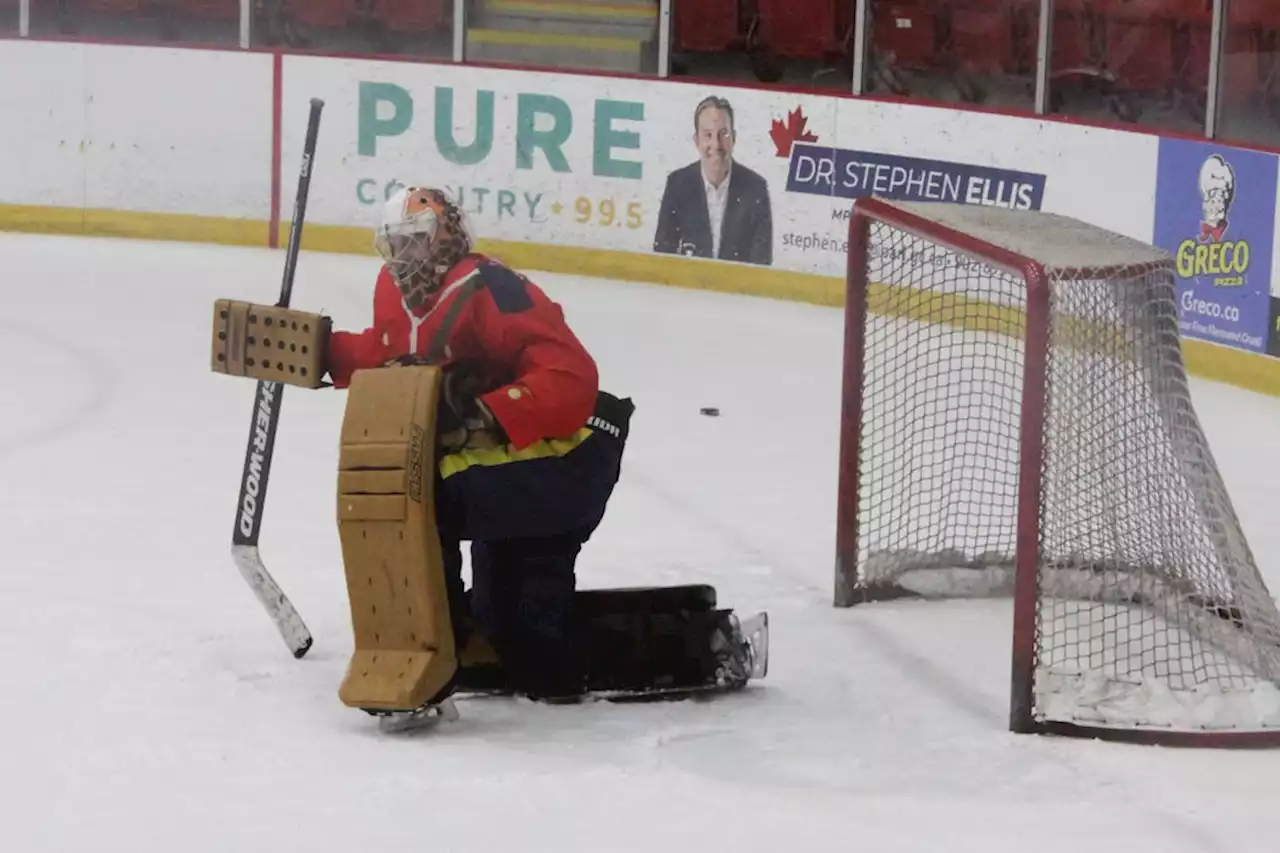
(544, 381)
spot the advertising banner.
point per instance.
(745, 176)
(1215, 212)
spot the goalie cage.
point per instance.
(1017, 422)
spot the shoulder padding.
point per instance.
(508, 288)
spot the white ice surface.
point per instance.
(147, 703)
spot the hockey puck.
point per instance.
(710, 411)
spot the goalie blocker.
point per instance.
(269, 343)
(628, 644)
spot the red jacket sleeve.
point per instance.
(351, 351)
(556, 379)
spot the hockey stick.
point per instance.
(262, 440)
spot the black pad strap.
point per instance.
(436, 352)
(612, 415)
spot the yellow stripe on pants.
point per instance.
(488, 457)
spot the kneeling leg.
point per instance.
(522, 595)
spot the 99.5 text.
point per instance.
(606, 212)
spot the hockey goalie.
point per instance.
(474, 415)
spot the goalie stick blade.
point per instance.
(278, 606)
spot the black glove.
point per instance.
(410, 360)
(460, 413)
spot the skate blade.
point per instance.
(423, 718)
(755, 631)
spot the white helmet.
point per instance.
(422, 235)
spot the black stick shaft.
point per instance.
(300, 203)
(262, 439)
(266, 407)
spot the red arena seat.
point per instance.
(705, 25)
(413, 15)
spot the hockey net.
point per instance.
(1017, 422)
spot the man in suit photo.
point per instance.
(716, 207)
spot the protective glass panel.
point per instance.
(979, 52)
(167, 22)
(801, 43)
(1250, 68)
(1143, 62)
(415, 28)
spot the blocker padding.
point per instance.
(404, 651)
(594, 603)
(266, 342)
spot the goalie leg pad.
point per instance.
(404, 640)
(644, 639)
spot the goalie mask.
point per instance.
(423, 233)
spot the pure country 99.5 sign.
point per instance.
(1215, 211)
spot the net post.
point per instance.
(855, 316)
(1026, 582)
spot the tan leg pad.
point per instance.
(404, 650)
(266, 342)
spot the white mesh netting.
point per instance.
(1151, 611)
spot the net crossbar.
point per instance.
(1017, 422)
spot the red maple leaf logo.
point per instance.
(793, 131)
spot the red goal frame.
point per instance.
(1031, 417)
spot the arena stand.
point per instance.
(1135, 62)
